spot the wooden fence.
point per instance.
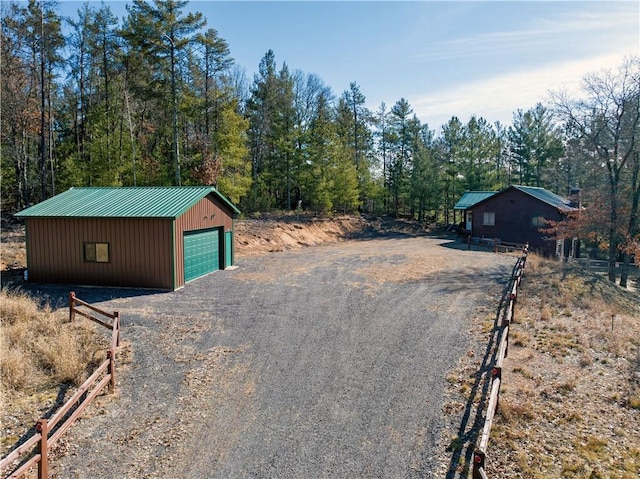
(48, 431)
(497, 244)
(480, 452)
(601, 266)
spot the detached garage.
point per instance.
(142, 237)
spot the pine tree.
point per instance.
(423, 181)
(480, 147)
(272, 135)
(535, 144)
(161, 34)
(92, 101)
(382, 121)
(355, 121)
(401, 153)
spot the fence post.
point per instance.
(478, 464)
(521, 264)
(496, 373)
(513, 309)
(116, 324)
(111, 370)
(72, 304)
(43, 449)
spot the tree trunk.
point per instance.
(105, 65)
(624, 270)
(613, 245)
(51, 158)
(174, 96)
(43, 150)
(633, 217)
(132, 138)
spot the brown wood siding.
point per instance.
(513, 212)
(207, 213)
(139, 251)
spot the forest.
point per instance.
(157, 99)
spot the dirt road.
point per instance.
(324, 362)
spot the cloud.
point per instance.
(497, 98)
(599, 28)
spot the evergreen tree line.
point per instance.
(157, 99)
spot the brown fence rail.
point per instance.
(600, 266)
(48, 431)
(480, 453)
(498, 245)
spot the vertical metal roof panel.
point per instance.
(470, 198)
(546, 196)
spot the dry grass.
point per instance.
(41, 354)
(12, 250)
(571, 406)
(40, 347)
(570, 393)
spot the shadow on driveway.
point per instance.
(56, 296)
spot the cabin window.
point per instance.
(488, 218)
(538, 221)
(96, 252)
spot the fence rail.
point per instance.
(599, 265)
(497, 244)
(48, 431)
(480, 453)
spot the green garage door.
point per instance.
(201, 253)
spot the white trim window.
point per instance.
(488, 218)
(538, 221)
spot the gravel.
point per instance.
(321, 362)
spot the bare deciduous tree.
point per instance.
(608, 121)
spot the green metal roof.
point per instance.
(546, 196)
(470, 198)
(123, 202)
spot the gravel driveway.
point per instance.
(325, 362)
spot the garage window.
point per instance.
(96, 252)
(489, 218)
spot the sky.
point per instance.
(445, 58)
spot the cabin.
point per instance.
(517, 214)
(466, 202)
(139, 237)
